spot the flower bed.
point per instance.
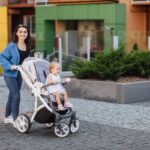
(127, 92)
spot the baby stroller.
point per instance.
(34, 72)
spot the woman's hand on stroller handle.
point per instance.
(14, 67)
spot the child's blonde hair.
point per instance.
(53, 65)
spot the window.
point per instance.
(71, 25)
(29, 21)
(30, 1)
(141, 0)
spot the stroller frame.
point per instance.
(58, 121)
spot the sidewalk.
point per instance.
(103, 126)
(1, 113)
(131, 116)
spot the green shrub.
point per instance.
(103, 66)
(112, 65)
(84, 69)
(135, 47)
(137, 64)
(109, 66)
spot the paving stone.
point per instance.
(104, 126)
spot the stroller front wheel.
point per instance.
(74, 126)
(23, 123)
(61, 130)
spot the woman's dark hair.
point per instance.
(27, 40)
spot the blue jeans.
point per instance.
(14, 86)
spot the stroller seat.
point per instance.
(38, 71)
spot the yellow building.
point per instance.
(3, 27)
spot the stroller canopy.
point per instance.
(36, 69)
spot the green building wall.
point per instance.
(112, 14)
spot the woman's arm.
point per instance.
(4, 59)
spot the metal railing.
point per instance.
(140, 2)
(16, 2)
(3, 2)
(46, 2)
(65, 60)
(20, 2)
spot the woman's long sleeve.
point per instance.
(4, 59)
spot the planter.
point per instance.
(109, 91)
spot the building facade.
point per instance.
(127, 19)
(137, 23)
(76, 20)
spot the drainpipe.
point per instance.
(147, 27)
(88, 47)
(60, 52)
(115, 42)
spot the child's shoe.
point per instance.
(60, 107)
(68, 104)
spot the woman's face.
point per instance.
(22, 33)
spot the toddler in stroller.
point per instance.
(55, 87)
(35, 72)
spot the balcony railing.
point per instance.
(45, 2)
(140, 2)
(3, 3)
(20, 2)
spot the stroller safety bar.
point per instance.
(46, 85)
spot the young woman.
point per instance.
(14, 54)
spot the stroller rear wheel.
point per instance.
(74, 126)
(23, 123)
(61, 130)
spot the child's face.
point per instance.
(56, 69)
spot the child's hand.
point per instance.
(67, 80)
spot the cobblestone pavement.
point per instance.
(91, 136)
(104, 126)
